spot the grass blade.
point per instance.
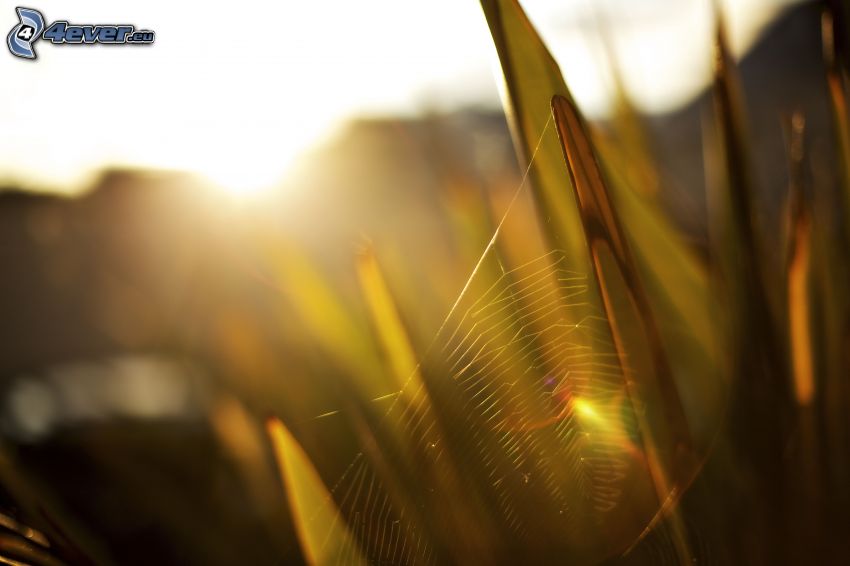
(617, 275)
(836, 79)
(321, 530)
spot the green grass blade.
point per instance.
(629, 314)
(322, 531)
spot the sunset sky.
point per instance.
(235, 94)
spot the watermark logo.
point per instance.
(23, 35)
(31, 28)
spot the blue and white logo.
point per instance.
(26, 33)
(31, 28)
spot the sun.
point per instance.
(244, 180)
(245, 163)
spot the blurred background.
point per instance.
(228, 97)
(180, 228)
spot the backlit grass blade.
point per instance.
(799, 274)
(807, 368)
(411, 428)
(676, 281)
(627, 308)
(676, 291)
(831, 263)
(387, 323)
(742, 238)
(323, 313)
(532, 77)
(322, 531)
(836, 78)
(762, 410)
(609, 247)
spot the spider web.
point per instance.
(516, 432)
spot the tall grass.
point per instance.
(595, 390)
(693, 409)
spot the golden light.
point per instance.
(248, 174)
(585, 409)
(238, 108)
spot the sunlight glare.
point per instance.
(585, 409)
(241, 112)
